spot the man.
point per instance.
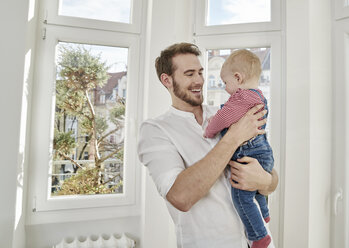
(188, 169)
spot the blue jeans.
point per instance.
(259, 149)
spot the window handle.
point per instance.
(337, 197)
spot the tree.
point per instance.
(80, 75)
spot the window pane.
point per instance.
(216, 94)
(89, 122)
(221, 12)
(106, 10)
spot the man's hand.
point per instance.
(248, 126)
(249, 175)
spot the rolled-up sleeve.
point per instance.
(160, 156)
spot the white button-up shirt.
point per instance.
(168, 145)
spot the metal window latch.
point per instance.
(43, 34)
(34, 204)
(337, 197)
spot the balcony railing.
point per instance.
(64, 169)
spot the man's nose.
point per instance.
(199, 79)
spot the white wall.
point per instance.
(47, 235)
(17, 25)
(308, 124)
(168, 22)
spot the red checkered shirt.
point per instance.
(236, 107)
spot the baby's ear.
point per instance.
(238, 77)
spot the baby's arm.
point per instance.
(222, 119)
(233, 110)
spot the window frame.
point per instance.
(340, 175)
(341, 11)
(52, 17)
(266, 34)
(42, 126)
(277, 96)
(202, 29)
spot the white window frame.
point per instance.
(43, 207)
(340, 157)
(254, 35)
(341, 10)
(277, 102)
(43, 121)
(202, 29)
(52, 17)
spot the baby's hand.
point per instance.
(208, 122)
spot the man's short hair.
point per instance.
(163, 63)
(244, 61)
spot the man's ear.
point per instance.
(239, 77)
(166, 80)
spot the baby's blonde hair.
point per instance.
(245, 62)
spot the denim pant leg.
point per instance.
(249, 213)
(262, 202)
(260, 149)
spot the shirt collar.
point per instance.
(175, 111)
(186, 114)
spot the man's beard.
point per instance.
(184, 96)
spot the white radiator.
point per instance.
(94, 241)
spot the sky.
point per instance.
(107, 10)
(219, 11)
(237, 11)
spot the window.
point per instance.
(218, 32)
(211, 81)
(102, 99)
(341, 9)
(106, 10)
(85, 107)
(115, 15)
(227, 16)
(340, 157)
(224, 12)
(106, 65)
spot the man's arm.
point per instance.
(194, 182)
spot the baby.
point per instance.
(240, 73)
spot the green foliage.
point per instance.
(86, 182)
(80, 73)
(101, 125)
(80, 70)
(69, 100)
(117, 113)
(63, 142)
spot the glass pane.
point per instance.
(221, 12)
(105, 10)
(216, 94)
(89, 128)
